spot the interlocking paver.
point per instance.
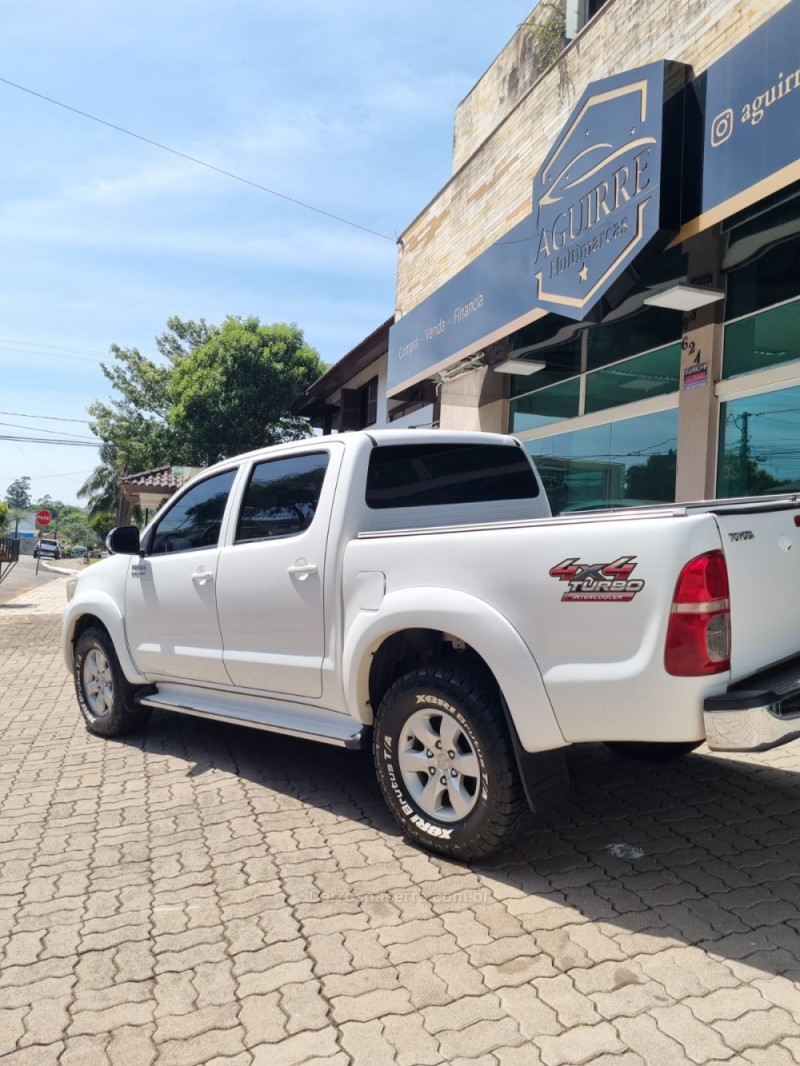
(132, 1046)
(772, 1056)
(194, 1023)
(700, 1043)
(363, 1042)
(413, 1044)
(759, 1028)
(204, 895)
(534, 1017)
(12, 1027)
(370, 1005)
(462, 1012)
(197, 1050)
(571, 1007)
(479, 1038)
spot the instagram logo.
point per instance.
(721, 127)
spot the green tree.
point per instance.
(3, 517)
(217, 391)
(18, 494)
(235, 391)
(18, 498)
(653, 480)
(102, 523)
(742, 476)
(101, 489)
(133, 426)
(74, 525)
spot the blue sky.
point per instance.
(347, 106)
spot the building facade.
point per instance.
(612, 272)
(352, 393)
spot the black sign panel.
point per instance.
(597, 196)
(748, 114)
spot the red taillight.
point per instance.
(699, 631)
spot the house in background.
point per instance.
(150, 489)
(352, 393)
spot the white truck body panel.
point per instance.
(570, 666)
(762, 550)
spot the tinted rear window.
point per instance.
(418, 475)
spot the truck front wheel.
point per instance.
(445, 762)
(104, 695)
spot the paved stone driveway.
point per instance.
(207, 894)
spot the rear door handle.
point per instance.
(302, 569)
(201, 576)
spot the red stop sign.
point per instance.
(43, 518)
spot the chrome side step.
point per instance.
(310, 723)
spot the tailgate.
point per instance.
(762, 548)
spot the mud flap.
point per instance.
(544, 774)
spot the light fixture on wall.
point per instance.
(519, 366)
(684, 297)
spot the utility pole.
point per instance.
(744, 452)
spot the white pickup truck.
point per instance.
(410, 590)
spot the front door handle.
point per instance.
(201, 576)
(302, 569)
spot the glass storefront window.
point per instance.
(648, 328)
(772, 276)
(759, 450)
(777, 210)
(639, 378)
(561, 361)
(543, 330)
(622, 463)
(762, 340)
(545, 406)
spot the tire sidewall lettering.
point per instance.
(406, 811)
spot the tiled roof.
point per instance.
(160, 478)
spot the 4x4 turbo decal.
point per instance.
(599, 582)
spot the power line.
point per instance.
(49, 418)
(50, 440)
(53, 355)
(198, 162)
(58, 347)
(47, 477)
(63, 432)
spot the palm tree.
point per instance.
(101, 489)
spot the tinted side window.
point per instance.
(282, 496)
(195, 520)
(418, 475)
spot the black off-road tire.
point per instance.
(105, 696)
(468, 708)
(652, 751)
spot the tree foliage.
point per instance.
(3, 517)
(654, 479)
(102, 523)
(217, 391)
(69, 523)
(18, 495)
(742, 476)
(235, 392)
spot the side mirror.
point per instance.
(124, 540)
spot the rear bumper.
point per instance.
(757, 713)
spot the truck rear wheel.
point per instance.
(104, 695)
(652, 751)
(445, 762)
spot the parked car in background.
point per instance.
(80, 552)
(48, 548)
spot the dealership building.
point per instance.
(612, 273)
